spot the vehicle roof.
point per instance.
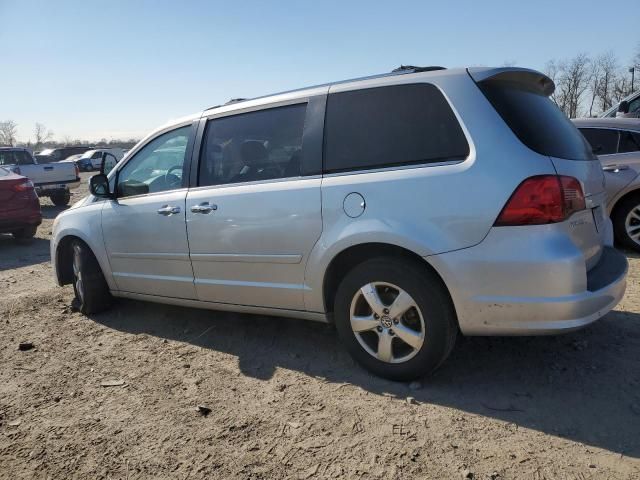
(417, 73)
(14, 148)
(621, 123)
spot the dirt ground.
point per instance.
(287, 402)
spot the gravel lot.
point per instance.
(287, 402)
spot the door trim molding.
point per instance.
(246, 258)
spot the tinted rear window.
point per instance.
(536, 120)
(387, 126)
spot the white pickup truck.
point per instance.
(53, 180)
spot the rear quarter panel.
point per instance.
(433, 208)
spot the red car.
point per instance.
(19, 205)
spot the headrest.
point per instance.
(253, 152)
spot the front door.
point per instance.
(144, 228)
(254, 217)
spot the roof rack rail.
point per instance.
(235, 100)
(414, 69)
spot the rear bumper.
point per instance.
(530, 286)
(46, 188)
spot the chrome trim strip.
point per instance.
(170, 278)
(152, 256)
(239, 283)
(248, 258)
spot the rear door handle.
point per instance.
(615, 168)
(168, 210)
(48, 168)
(204, 207)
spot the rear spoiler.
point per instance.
(531, 79)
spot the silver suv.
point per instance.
(403, 207)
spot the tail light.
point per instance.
(23, 187)
(77, 170)
(542, 199)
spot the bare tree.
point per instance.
(553, 70)
(67, 140)
(42, 134)
(8, 131)
(595, 79)
(609, 72)
(572, 79)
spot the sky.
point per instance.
(118, 69)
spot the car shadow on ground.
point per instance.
(582, 386)
(50, 211)
(22, 253)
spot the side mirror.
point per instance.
(99, 186)
(623, 107)
(109, 161)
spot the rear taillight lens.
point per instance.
(542, 199)
(23, 187)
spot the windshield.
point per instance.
(536, 120)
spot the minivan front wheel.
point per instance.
(395, 318)
(89, 285)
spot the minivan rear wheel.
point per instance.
(89, 285)
(626, 222)
(395, 318)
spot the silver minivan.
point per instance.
(404, 208)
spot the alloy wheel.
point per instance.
(632, 224)
(387, 322)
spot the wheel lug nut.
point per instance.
(379, 329)
(395, 321)
(376, 316)
(391, 332)
(386, 311)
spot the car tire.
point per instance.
(26, 233)
(626, 222)
(90, 287)
(61, 199)
(429, 324)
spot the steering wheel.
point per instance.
(172, 180)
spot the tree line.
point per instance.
(587, 86)
(43, 138)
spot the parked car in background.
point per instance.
(19, 205)
(627, 108)
(616, 141)
(420, 203)
(95, 155)
(83, 164)
(50, 155)
(53, 180)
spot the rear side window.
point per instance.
(388, 126)
(536, 120)
(629, 142)
(15, 157)
(603, 141)
(253, 146)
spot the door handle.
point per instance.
(204, 207)
(615, 168)
(168, 210)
